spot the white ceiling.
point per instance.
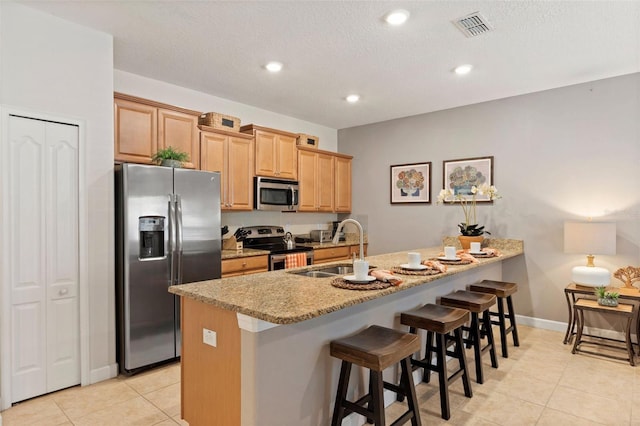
(332, 48)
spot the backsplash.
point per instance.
(296, 223)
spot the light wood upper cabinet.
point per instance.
(307, 179)
(325, 181)
(276, 152)
(342, 184)
(136, 131)
(316, 178)
(231, 154)
(142, 127)
(180, 131)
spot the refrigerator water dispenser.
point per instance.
(151, 236)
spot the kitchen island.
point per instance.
(270, 364)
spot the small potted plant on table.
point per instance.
(170, 157)
(607, 298)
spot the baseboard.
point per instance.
(541, 323)
(562, 327)
(103, 373)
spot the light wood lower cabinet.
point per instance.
(332, 254)
(143, 126)
(244, 265)
(231, 154)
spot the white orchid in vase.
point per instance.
(470, 225)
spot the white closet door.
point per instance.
(43, 186)
(63, 326)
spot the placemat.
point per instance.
(423, 272)
(482, 255)
(453, 262)
(373, 285)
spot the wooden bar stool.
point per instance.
(476, 303)
(439, 321)
(376, 348)
(502, 290)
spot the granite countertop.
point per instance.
(233, 254)
(283, 298)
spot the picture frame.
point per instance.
(461, 175)
(411, 183)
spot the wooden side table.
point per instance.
(572, 291)
(622, 309)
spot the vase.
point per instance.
(603, 301)
(171, 163)
(466, 240)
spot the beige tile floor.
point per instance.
(541, 383)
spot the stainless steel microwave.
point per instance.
(275, 194)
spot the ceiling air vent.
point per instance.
(473, 25)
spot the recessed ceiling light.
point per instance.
(396, 17)
(273, 66)
(353, 98)
(463, 69)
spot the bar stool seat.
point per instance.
(503, 291)
(440, 321)
(478, 304)
(376, 348)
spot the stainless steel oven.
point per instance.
(271, 238)
(277, 260)
(275, 194)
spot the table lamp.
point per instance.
(590, 238)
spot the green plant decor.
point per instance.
(607, 298)
(169, 153)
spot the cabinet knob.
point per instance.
(63, 291)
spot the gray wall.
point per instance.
(562, 154)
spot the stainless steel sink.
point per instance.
(327, 271)
(338, 269)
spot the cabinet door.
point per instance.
(342, 184)
(330, 254)
(42, 248)
(244, 266)
(287, 165)
(240, 173)
(266, 153)
(180, 131)
(324, 182)
(136, 127)
(307, 181)
(213, 158)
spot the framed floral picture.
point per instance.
(411, 183)
(460, 176)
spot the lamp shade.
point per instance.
(590, 237)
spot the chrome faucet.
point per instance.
(336, 237)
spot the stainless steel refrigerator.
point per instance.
(167, 233)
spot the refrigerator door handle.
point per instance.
(178, 279)
(172, 240)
